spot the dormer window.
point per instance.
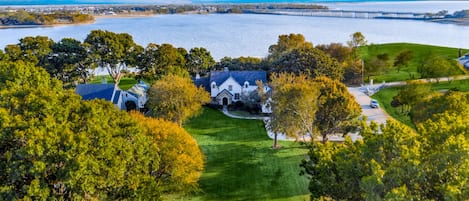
(246, 84)
(214, 85)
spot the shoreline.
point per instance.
(454, 21)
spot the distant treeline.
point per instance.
(28, 18)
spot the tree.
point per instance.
(357, 39)
(181, 161)
(35, 49)
(411, 94)
(294, 105)
(199, 60)
(242, 63)
(176, 99)
(68, 61)
(377, 65)
(337, 51)
(157, 61)
(434, 67)
(55, 146)
(337, 108)
(287, 43)
(310, 61)
(402, 59)
(112, 51)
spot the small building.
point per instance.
(132, 99)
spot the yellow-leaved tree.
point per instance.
(181, 161)
(176, 98)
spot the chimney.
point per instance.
(197, 76)
(226, 69)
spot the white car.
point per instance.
(374, 103)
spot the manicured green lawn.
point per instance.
(240, 163)
(125, 83)
(385, 95)
(419, 53)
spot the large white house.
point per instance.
(227, 87)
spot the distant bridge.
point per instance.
(347, 14)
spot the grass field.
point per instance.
(125, 83)
(240, 163)
(419, 52)
(385, 95)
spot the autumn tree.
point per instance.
(176, 98)
(181, 161)
(113, 51)
(337, 108)
(157, 61)
(294, 105)
(199, 60)
(287, 43)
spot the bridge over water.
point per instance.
(347, 14)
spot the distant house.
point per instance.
(227, 87)
(132, 99)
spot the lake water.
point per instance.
(237, 35)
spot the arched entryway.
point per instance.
(130, 105)
(225, 101)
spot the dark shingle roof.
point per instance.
(204, 82)
(240, 76)
(95, 91)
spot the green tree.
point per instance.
(437, 103)
(310, 61)
(68, 61)
(377, 65)
(337, 108)
(55, 146)
(113, 51)
(287, 43)
(412, 93)
(434, 67)
(294, 105)
(199, 60)
(176, 98)
(157, 61)
(402, 59)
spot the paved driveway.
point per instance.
(374, 114)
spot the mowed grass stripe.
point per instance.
(240, 163)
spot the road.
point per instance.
(374, 114)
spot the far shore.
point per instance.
(455, 21)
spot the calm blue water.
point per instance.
(249, 34)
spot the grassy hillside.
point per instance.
(419, 53)
(240, 163)
(385, 95)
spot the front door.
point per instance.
(225, 101)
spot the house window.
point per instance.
(214, 85)
(236, 96)
(246, 85)
(230, 87)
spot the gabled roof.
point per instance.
(95, 91)
(240, 76)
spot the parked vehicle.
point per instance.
(374, 103)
